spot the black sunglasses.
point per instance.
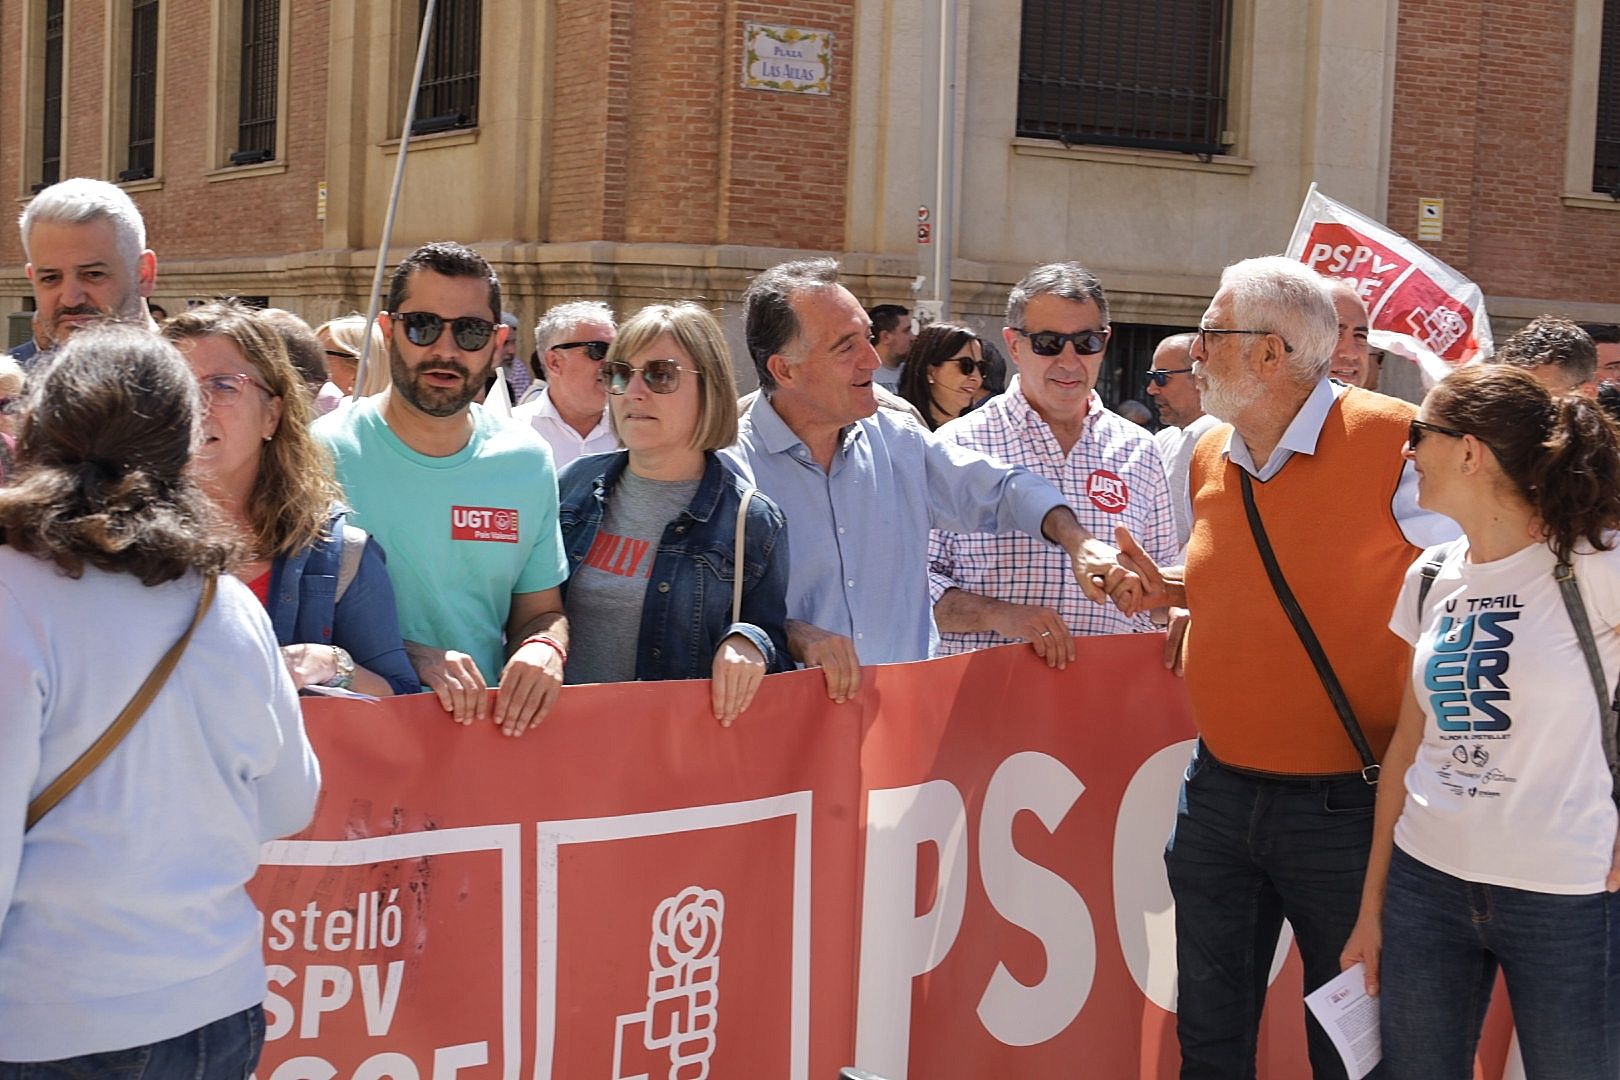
(1050, 342)
(1159, 376)
(1415, 430)
(596, 350)
(967, 364)
(422, 328)
(662, 376)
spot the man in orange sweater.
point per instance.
(1275, 819)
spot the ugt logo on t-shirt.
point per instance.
(484, 523)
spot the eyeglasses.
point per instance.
(1203, 331)
(1159, 376)
(353, 358)
(225, 391)
(596, 350)
(661, 376)
(1050, 342)
(422, 328)
(967, 364)
(1415, 430)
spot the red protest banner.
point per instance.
(1420, 307)
(956, 875)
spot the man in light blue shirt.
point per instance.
(862, 487)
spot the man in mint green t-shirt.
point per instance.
(464, 503)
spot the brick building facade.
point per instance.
(1492, 105)
(612, 149)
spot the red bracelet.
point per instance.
(547, 639)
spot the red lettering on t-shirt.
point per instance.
(620, 555)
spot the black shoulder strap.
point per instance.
(1307, 636)
(1430, 570)
(1564, 574)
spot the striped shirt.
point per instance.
(1112, 476)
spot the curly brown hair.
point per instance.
(1562, 455)
(102, 457)
(295, 492)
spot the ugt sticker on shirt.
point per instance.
(484, 523)
(1107, 491)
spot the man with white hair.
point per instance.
(87, 257)
(570, 411)
(1276, 812)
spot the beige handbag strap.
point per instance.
(109, 740)
(737, 554)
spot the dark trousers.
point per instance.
(1444, 939)
(226, 1049)
(1246, 853)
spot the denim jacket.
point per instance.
(687, 610)
(304, 608)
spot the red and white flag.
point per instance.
(1420, 308)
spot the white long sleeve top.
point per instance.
(123, 916)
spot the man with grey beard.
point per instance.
(1276, 811)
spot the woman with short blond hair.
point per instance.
(650, 530)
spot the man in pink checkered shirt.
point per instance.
(990, 589)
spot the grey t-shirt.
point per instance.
(606, 592)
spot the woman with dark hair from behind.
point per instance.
(944, 371)
(324, 581)
(130, 945)
(1494, 841)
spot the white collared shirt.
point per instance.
(566, 443)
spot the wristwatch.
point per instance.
(343, 663)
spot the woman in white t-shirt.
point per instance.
(1494, 842)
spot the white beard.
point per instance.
(1226, 401)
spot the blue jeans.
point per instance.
(1443, 941)
(227, 1049)
(1247, 852)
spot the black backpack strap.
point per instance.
(1307, 636)
(1564, 574)
(1430, 570)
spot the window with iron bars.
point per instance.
(256, 105)
(1130, 355)
(1606, 149)
(50, 155)
(141, 160)
(1141, 73)
(449, 95)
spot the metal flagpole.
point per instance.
(393, 197)
(935, 216)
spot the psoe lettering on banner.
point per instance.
(448, 1061)
(329, 988)
(897, 945)
(683, 987)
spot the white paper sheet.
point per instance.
(1350, 1018)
